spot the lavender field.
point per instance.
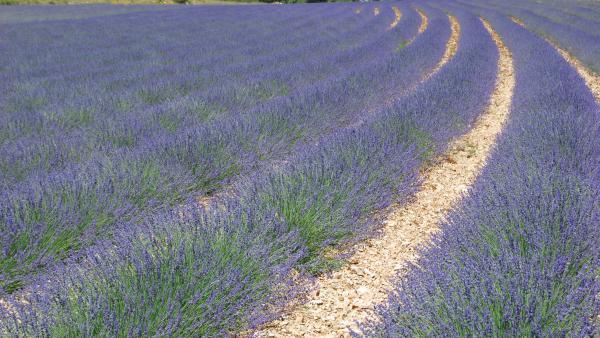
(201, 170)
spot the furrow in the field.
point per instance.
(451, 45)
(397, 17)
(591, 80)
(450, 48)
(351, 293)
(424, 21)
(581, 40)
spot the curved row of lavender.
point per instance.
(577, 33)
(519, 256)
(216, 270)
(159, 152)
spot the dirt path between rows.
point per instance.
(397, 17)
(451, 47)
(424, 23)
(591, 80)
(351, 293)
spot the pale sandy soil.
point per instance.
(591, 79)
(424, 22)
(451, 47)
(398, 16)
(351, 293)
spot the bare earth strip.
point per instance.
(591, 80)
(451, 47)
(424, 22)
(398, 16)
(350, 294)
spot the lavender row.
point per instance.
(54, 215)
(53, 205)
(520, 255)
(164, 119)
(221, 269)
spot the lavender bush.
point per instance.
(183, 273)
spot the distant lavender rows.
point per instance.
(574, 30)
(145, 105)
(586, 19)
(217, 270)
(519, 256)
(120, 72)
(48, 216)
(21, 14)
